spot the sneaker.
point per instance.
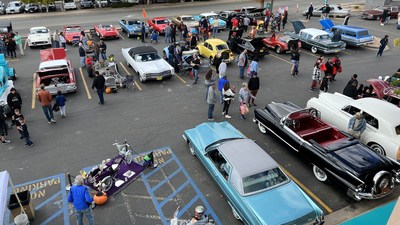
(223, 113)
(31, 145)
(53, 121)
(194, 83)
(62, 116)
(312, 89)
(22, 137)
(242, 117)
(211, 119)
(50, 122)
(6, 141)
(254, 104)
(228, 116)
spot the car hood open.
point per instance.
(327, 24)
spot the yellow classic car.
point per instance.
(210, 47)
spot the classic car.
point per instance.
(132, 27)
(55, 72)
(315, 39)
(32, 7)
(398, 21)
(383, 122)
(226, 153)
(376, 13)
(15, 7)
(72, 32)
(384, 91)
(69, 4)
(336, 11)
(211, 17)
(146, 62)
(335, 155)
(255, 46)
(210, 47)
(159, 24)
(253, 13)
(86, 4)
(39, 36)
(278, 43)
(102, 3)
(5, 84)
(227, 15)
(6, 69)
(188, 20)
(52, 7)
(105, 31)
(351, 35)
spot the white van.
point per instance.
(15, 7)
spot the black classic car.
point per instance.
(315, 39)
(255, 46)
(334, 155)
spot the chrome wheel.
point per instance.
(191, 149)
(106, 183)
(319, 174)
(377, 148)
(278, 49)
(314, 49)
(261, 127)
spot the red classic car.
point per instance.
(278, 43)
(159, 24)
(376, 13)
(384, 91)
(106, 31)
(72, 33)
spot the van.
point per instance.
(351, 35)
(15, 7)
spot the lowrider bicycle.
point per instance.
(39, 36)
(335, 155)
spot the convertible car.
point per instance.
(146, 62)
(255, 46)
(250, 190)
(210, 47)
(106, 31)
(159, 24)
(72, 33)
(384, 91)
(334, 154)
(383, 121)
(336, 11)
(277, 43)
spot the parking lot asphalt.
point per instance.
(156, 114)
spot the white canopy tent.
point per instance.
(4, 177)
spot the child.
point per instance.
(60, 99)
(25, 131)
(15, 121)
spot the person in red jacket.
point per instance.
(44, 98)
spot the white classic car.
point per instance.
(147, 63)
(39, 36)
(383, 120)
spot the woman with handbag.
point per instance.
(244, 98)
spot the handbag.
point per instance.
(243, 109)
(56, 107)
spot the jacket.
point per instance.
(82, 52)
(254, 83)
(211, 96)
(242, 59)
(79, 196)
(221, 83)
(60, 99)
(14, 100)
(228, 94)
(362, 125)
(99, 82)
(44, 97)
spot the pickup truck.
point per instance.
(253, 13)
(132, 27)
(315, 39)
(55, 72)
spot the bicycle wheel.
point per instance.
(107, 183)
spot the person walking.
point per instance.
(195, 67)
(80, 197)
(168, 32)
(384, 41)
(384, 15)
(228, 94)
(243, 61)
(63, 42)
(357, 125)
(82, 55)
(253, 86)
(56, 38)
(60, 99)
(103, 50)
(211, 100)
(254, 67)
(23, 128)
(309, 12)
(346, 19)
(18, 42)
(208, 80)
(99, 86)
(319, 66)
(14, 100)
(295, 60)
(284, 19)
(143, 33)
(45, 98)
(244, 98)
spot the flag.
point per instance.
(144, 14)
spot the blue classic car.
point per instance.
(132, 27)
(258, 194)
(351, 35)
(211, 16)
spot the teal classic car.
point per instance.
(5, 86)
(256, 188)
(8, 71)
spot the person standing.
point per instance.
(244, 98)
(208, 80)
(221, 83)
(284, 19)
(3, 128)
(246, 23)
(324, 85)
(253, 86)
(23, 128)
(60, 99)
(357, 125)
(316, 77)
(56, 38)
(11, 47)
(99, 85)
(228, 94)
(63, 41)
(211, 100)
(278, 20)
(45, 98)
(18, 42)
(384, 41)
(353, 79)
(243, 60)
(143, 33)
(80, 197)
(168, 32)
(195, 67)
(295, 60)
(309, 12)
(82, 55)
(337, 36)
(384, 15)
(254, 67)
(173, 33)
(351, 90)
(14, 100)
(222, 69)
(215, 25)
(337, 67)
(103, 50)
(217, 62)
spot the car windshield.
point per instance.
(105, 26)
(222, 47)
(135, 22)
(323, 37)
(264, 180)
(73, 29)
(212, 17)
(162, 21)
(188, 19)
(39, 31)
(147, 57)
(398, 130)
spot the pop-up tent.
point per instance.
(4, 177)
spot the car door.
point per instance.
(219, 169)
(288, 135)
(372, 127)
(207, 50)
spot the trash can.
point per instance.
(25, 198)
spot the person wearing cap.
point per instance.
(14, 100)
(45, 98)
(357, 125)
(384, 41)
(199, 217)
(211, 100)
(80, 197)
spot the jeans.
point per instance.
(380, 51)
(87, 212)
(82, 60)
(207, 88)
(241, 75)
(28, 140)
(103, 56)
(221, 97)
(64, 45)
(295, 67)
(62, 110)
(210, 110)
(215, 31)
(196, 75)
(226, 107)
(21, 49)
(168, 38)
(48, 112)
(57, 44)
(100, 94)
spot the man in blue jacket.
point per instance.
(357, 125)
(221, 83)
(79, 196)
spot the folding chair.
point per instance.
(75, 40)
(130, 83)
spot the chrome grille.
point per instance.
(307, 219)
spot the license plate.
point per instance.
(261, 50)
(159, 78)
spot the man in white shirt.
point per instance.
(246, 23)
(222, 69)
